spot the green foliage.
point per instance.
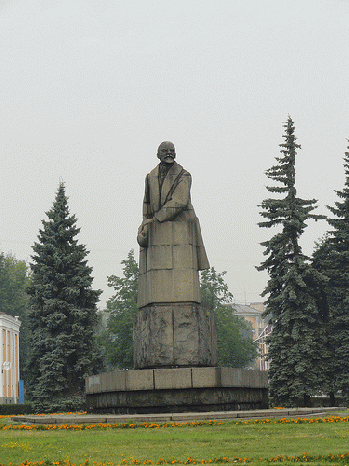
(234, 334)
(296, 345)
(15, 409)
(236, 347)
(214, 290)
(121, 308)
(62, 312)
(321, 261)
(332, 258)
(14, 279)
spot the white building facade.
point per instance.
(9, 358)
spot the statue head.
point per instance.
(166, 152)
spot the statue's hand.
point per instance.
(146, 222)
(142, 236)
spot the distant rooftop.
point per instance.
(249, 309)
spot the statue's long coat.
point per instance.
(175, 253)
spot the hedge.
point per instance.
(8, 409)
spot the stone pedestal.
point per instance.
(174, 335)
(189, 389)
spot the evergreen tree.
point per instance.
(296, 343)
(322, 261)
(62, 315)
(332, 258)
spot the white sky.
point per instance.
(90, 88)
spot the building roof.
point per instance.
(252, 309)
(9, 321)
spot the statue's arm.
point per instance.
(178, 200)
(146, 201)
(142, 235)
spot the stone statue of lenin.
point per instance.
(171, 247)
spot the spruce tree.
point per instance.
(332, 258)
(295, 349)
(62, 314)
(322, 261)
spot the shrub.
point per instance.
(8, 409)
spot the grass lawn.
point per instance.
(175, 444)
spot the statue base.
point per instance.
(189, 389)
(172, 335)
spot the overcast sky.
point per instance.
(90, 88)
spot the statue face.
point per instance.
(166, 152)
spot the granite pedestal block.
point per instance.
(174, 335)
(191, 389)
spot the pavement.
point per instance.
(173, 417)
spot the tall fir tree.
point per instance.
(295, 350)
(323, 261)
(63, 313)
(332, 258)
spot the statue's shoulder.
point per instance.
(182, 171)
(154, 172)
(177, 169)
